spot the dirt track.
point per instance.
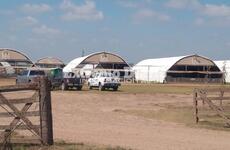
(97, 119)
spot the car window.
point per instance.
(106, 74)
(109, 74)
(37, 72)
(71, 75)
(24, 73)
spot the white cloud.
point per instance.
(210, 10)
(148, 14)
(44, 30)
(182, 4)
(86, 11)
(28, 21)
(129, 4)
(215, 15)
(35, 8)
(135, 4)
(208, 14)
(143, 12)
(216, 10)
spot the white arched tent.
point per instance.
(154, 69)
(190, 68)
(101, 60)
(224, 66)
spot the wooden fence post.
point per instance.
(221, 98)
(195, 103)
(46, 120)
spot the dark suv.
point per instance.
(70, 80)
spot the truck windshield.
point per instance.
(37, 73)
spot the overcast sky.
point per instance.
(134, 29)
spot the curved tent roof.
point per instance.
(156, 69)
(94, 58)
(73, 64)
(50, 60)
(163, 63)
(223, 64)
(9, 54)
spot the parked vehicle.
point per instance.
(70, 80)
(56, 77)
(6, 69)
(29, 76)
(104, 80)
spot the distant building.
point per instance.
(15, 58)
(191, 68)
(97, 61)
(12, 61)
(50, 62)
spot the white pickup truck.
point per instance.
(104, 80)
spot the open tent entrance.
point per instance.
(111, 65)
(194, 69)
(102, 61)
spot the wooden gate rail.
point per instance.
(44, 131)
(203, 95)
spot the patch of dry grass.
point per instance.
(184, 115)
(67, 146)
(154, 88)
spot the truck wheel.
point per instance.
(63, 86)
(115, 88)
(52, 87)
(79, 88)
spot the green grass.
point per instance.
(156, 88)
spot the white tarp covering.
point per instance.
(154, 70)
(224, 66)
(84, 71)
(73, 64)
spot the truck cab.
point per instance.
(104, 80)
(71, 80)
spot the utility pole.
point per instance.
(224, 72)
(83, 53)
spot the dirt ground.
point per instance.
(99, 119)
